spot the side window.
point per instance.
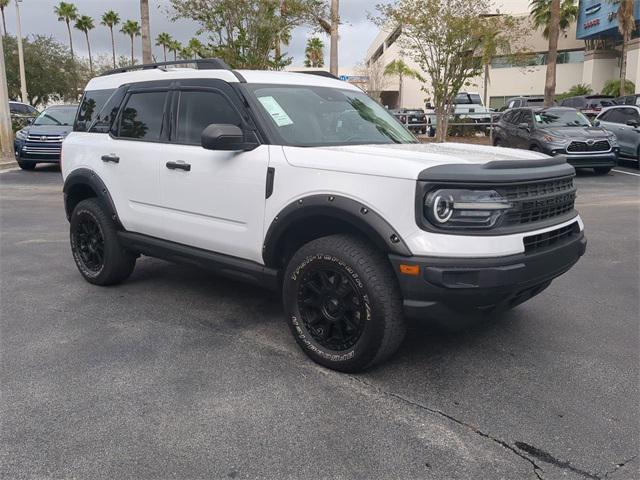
(197, 110)
(527, 116)
(606, 116)
(617, 116)
(92, 103)
(512, 104)
(517, 117)
(142, 116)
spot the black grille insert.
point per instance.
(538, 201)
(547, 239)
(597, 146)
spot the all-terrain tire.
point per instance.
(95, 246)
(353, 277)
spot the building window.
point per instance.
(377, 54)
(394, 36)
(537, 59)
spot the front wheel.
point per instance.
(26, 165)
(602, 170)
(95, 246)
(343, 303)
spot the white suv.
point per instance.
(303, 184)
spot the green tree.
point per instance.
(314, 53)
(3, 5)
(164, 40)
(175, 47)
(49, 67)
(84, 23)
(612, 87)
(574, 91)
(400, 69)
(67, 12)
(110, 19)
(626, 27)
(193, 49)
(132, 29)
(540, 12)
(443, 37)
(247, 33)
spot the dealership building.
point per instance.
(588, 53)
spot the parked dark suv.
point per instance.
(590, 105)
(558, 131)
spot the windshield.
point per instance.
(561, 118)
(56, 116)
(307, 116)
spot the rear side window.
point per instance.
(92, 103)
(197, 110)
(142, 116)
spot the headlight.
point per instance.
(21, 135)
(457, 208)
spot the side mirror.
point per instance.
(633, 123)
(524, 126)
(218, 136)
(596, 123)
(30, 120)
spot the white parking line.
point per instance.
(627, 173)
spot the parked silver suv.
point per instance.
(624, 121)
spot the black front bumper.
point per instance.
(591, 160)
(449, 285)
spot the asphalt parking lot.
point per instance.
(180, 374)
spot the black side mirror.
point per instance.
(596, 123)
(633, 123)
(524, 126)
(218, 136)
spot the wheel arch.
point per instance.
(317, 216)
(84, 183)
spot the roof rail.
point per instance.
(200, 64)
(320, 73)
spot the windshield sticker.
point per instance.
(538, 118)
(276, 111)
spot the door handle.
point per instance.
(112, 157)
(179, 165)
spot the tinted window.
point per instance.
(198, 109)
(526, 117)
(621, 115)
(92, 103)
(142, 116)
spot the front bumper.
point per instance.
(452, 285)
(590, 160)
(37, 151)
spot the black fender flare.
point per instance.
(89, 178)
(360, 216)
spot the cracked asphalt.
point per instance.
(180, 374)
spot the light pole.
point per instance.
(23, 81)
(6, 136)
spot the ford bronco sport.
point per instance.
(304, 184)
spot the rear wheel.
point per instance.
(26, 165)
(602, 170)
(95, 246)
(343, 303)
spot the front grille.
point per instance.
(537, 201)
(45, 138)
(48, 150)
(579, 147)
(548, 239)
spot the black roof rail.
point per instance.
(320, 73)
(200, 64)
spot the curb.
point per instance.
(7, 165)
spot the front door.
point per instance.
(212, 199)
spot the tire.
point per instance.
(25, 165)
(602, 170)
(95, 246)
(535, 148)
(343, 303)
(497, 142)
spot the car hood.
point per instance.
(400, 160)
(48, 129)
(575, 133)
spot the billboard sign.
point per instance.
(598, 18)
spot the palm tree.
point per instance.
(314, 53)
(175, 47)
(626, 26)
(552, 15)
(3, 4)
(401, 69)
(335, 21)
(146, 33)
(194, 48)
(84, 24)
(132, 29)
(164, 40)
(67, 12)
(541, 14)
(110, 19)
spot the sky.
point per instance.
(356, 32)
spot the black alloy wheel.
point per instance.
(331, 307)
(89, 242)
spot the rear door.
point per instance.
(627, 134)
(213, 199)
